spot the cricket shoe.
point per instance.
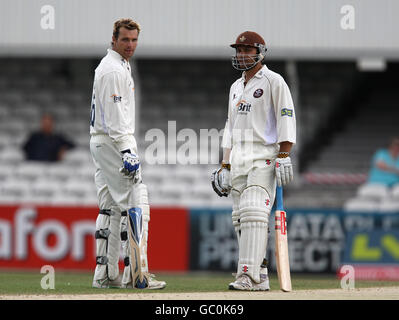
(262, 286)
(152, 283)
(245, 283)
(107, 283)
(155, 284)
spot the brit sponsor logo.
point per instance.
(243, 106)
(116, 98)
(245, 268)
(258, 93)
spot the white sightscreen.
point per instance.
(202, 27)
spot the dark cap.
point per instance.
(248, 38)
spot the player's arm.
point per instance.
(286, 130)
(286, 146)
(227, 141)
(226, 155)
(116, 120)
(221, 179)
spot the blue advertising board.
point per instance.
(377, 246)
(317, 238)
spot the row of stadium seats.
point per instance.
(373, 197)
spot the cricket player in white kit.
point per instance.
(259, 133)
(114, 151)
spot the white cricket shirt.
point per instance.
(113, 106)
(260, 116)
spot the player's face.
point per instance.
(245, 55)
(126, 43)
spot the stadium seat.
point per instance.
(361, 205)
(14, 189)
(29, 171)
(373, 191)
(395, 191)
(65, 199)
(389, 206)
(4, 141)
(11, 155)
(78, 156)
(79, 189)
(44, 188)
(59, 172)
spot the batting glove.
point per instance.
(284, 171)
(131, 167)
(221, 180)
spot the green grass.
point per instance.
(21, 283)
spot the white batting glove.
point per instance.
(284, 171)
(221, 181)
(131, 167)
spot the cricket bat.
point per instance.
(282, 258)
(135, 234)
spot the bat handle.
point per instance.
(279, 199)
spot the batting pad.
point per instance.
(254, 217)
(141, 201)
(107, 244)
(235, 215)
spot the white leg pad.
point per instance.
(254, 219)
(141, 201)
(107, 244)
(236, 212)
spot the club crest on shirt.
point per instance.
(258, 93)
(116, 98)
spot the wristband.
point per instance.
(283, 155)
(226, 165)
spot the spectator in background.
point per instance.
(45, 145)
(385, 165)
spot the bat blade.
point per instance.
(281, 240)
(139, 279)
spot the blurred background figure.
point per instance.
(385, 165)
(45, 144)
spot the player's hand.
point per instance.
(284, 171)
(221, 181)
(131, 167)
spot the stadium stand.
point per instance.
(193, 93)
(364, 121)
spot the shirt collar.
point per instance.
(258, 75)
(119, 58)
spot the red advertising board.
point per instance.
(33, 236)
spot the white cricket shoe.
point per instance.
(152, 283)
(155, 284)
(245, 283)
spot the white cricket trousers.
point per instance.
(116, 194)
(253, 197)
(113, 188)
